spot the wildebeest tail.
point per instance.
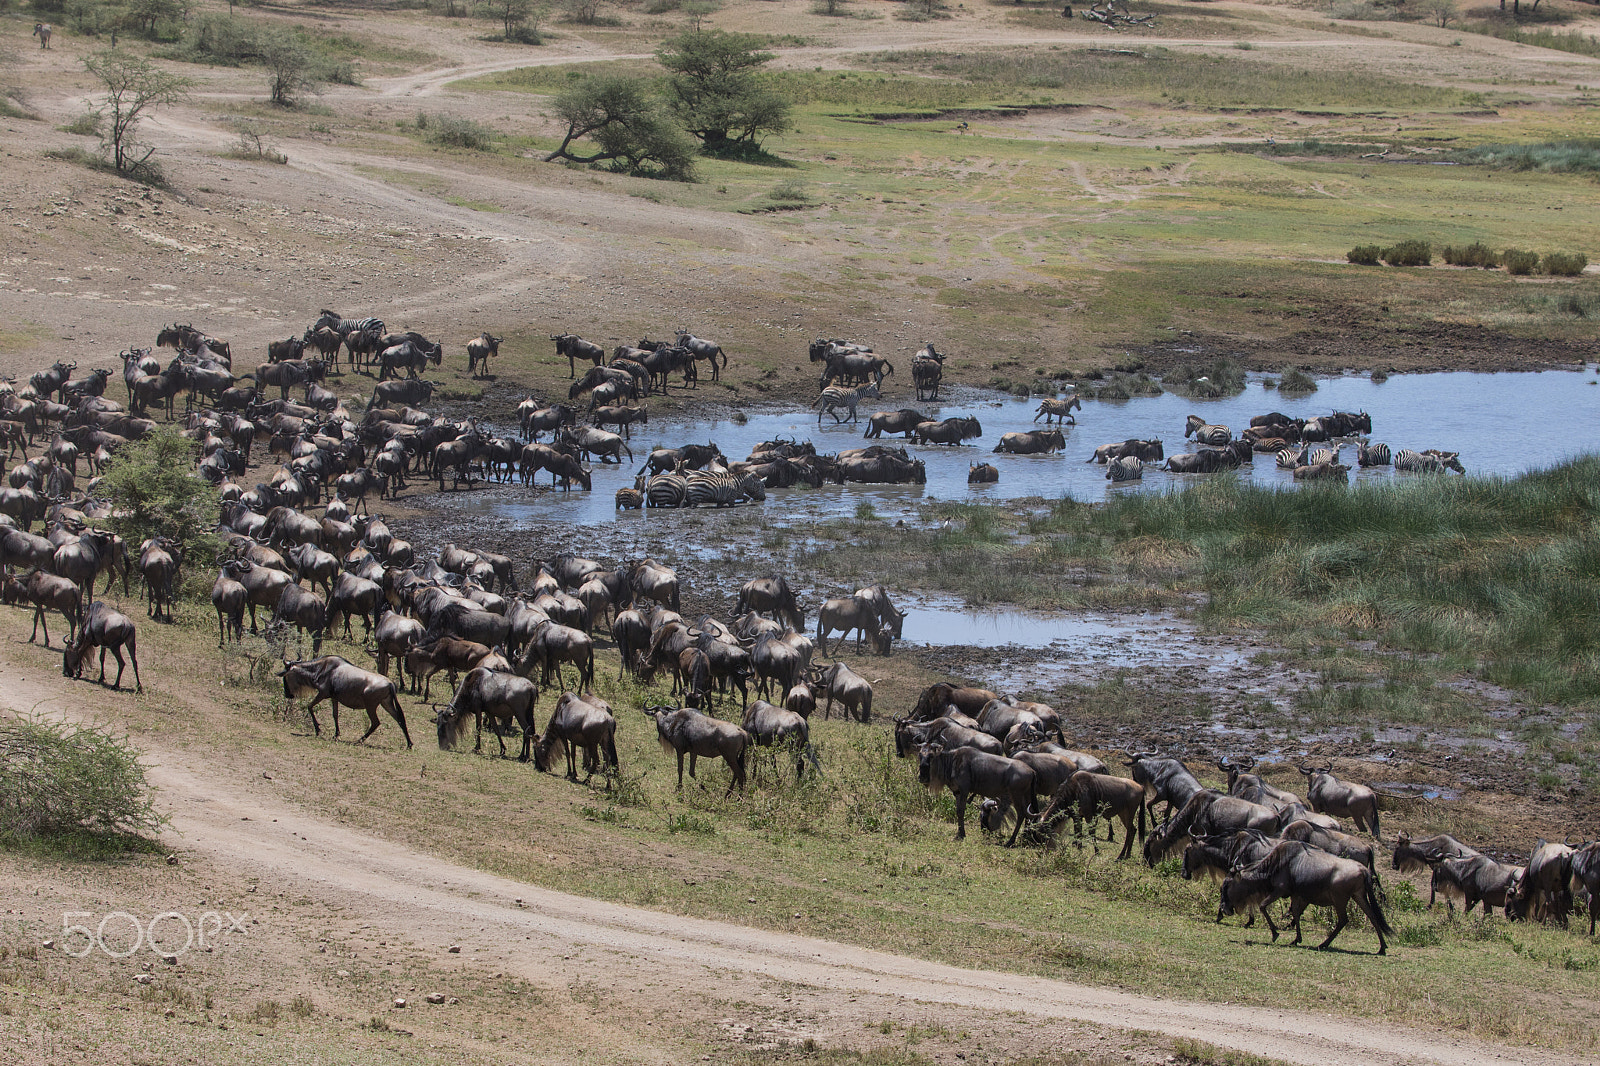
(1142, 834)
(1376, 834)
(1375, 908)
(611, 748)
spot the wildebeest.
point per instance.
(1165, 780)
(579, 722)
(843, 614)
(1545, 891)
(838, 683)
(1342, 799)
(1033, 442)
(1204, 461)
(927, 371)
(1206, 814)
(159, 560)
(46, 591)
(1474, 879)
(967, 772)
(409, 391)
(949, 431)
(1252, 787)
(109, 630)
(503, 697)
(229, 598)
(903, 421)
(550, 645)
(774, 727)
(771, 595)
(575, 348)
(982, 474)
(339, 681)
(479, 349)
(946, 732)
(1307, 876)
(1428, 852)
(1088, 796)
(686, 731)
(932, 701)
(1586, 871)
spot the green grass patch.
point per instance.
(1574, 41)
(1578, 156)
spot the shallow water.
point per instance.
(1500, 423)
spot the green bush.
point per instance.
(1364, 254)
(1408, 253)
(453, 131)
(1208, 381)
(1296, 380)
(78, 788)
(153, 492)
(1519, 262)
(1476, 254)
(1565, 264)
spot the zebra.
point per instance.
(665, 490)
(1052, 408)
(720, 489)
(1205, 433)
(42, 31)
(1322, 455)
(1372, 455)
(1428, 462)
(753, 488)
(629, 499)
(1125, 468)
(838, 396)
(1290, 458)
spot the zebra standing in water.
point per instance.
(838, 396)
(704, 487)
(1428, 462)
(665, 490)
(1372, 454)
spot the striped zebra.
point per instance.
(1322, 455)
(346, 326)
(1428, 462)
(753, 488)
(1125, 468)
(705, 488)
(1290, 458)
(838, 396)
(1205, 433)
(665, 490)
(1372, 455)
(629, 499)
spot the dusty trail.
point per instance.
(434, 903)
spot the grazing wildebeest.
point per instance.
(504, 698)
(109, 630)
(579, 722)
(1033, 442)
(46, 591)
(967, 772)
(1308, 877)
(1206, 814)
(336, 679)
(1088, 796)
(686, 731)
(774, 727)
(1342, 799)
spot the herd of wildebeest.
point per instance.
(502, 639)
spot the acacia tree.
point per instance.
(291, 68)
(133, 86)
(716, 92)
(626, 126)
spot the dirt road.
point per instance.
(397, 893)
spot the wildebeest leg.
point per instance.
(311, 709)
(253, 629)
(680, 771)
(738, 776)
(103, 664)
(1021, 804)
(117, 651)
(1127, 834)
(222, 631)
(392, 702)
(692, 758)
(1344, 920)
(961, 816)
(38, 620)
(1296, 909)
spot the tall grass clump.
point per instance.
(1207, 381)
(1574, 41)
(1505, 570)
(1564, 264)
(1408, 253)
(1295, 380)
(1517, 261)
(81, 791)
(454, 131)
(1576, 156)
(1476, 254)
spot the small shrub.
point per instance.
(1517, 261)
(1364, 254)
(1408, 253)
(85, 125)
(661, 7)
(1565, 264)
(72, 786)
(301, 1006)
(1476, 254)
(1222, 377)
(454, 131)
(791, 191)
(1575, 304)
(1296, 380)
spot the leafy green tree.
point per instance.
(133, 86)
(717, 93)
(291, 66)
(154, 493)
(143, 15)
(626, 126)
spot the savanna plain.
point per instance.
(1052, 202)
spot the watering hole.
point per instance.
(1503, 423)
